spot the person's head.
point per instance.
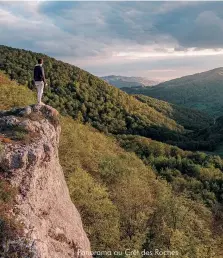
(40, 61)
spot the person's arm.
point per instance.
(43, 75)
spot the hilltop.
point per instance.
(129, 81)
(202, 91)
(81, 95)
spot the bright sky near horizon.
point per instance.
(158, 40)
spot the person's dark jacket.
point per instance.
(39, 74)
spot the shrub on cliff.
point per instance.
(12, 244)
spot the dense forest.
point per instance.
(188, 118)
(81, 95)
(85, 97)
(203, 132)
(134, 192)
(202, 91)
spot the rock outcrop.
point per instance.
(30, 162)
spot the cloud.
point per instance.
(194, 26)
(95, 35)
(103, 25)
(207, 31)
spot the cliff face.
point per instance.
(30, 162)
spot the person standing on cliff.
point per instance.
(40, 80)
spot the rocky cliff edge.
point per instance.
(30, 162)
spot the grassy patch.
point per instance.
(1, 149)
(14, 133)
(13, 95)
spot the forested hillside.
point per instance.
(85, 97)
(81, 95)
(190, 119)
(133, 192)
(202, 91)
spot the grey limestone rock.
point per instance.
(43, 204)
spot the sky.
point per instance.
(157, 40)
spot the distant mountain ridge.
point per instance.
(202, 91)
(129, 82)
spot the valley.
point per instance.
(202, 91)
(114, 146)
(129, 82)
